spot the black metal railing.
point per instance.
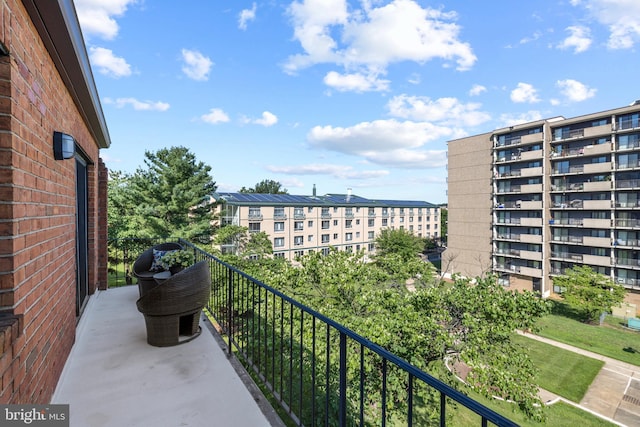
(320, 372)
(122, 254)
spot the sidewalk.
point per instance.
(614, 394)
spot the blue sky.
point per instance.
(347, 94)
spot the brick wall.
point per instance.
(37, 214)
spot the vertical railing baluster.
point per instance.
(384, 392)
(327, 374)
(301, 371)
(342, 405)
(410, 403)
(443, 409)
(290, 386)
(273, 343)
(281, 351)
(229, 310)
(313, 371)
(361, 385)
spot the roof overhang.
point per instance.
(57, 24)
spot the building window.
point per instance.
(310, 238)
(348, 236)
(278, 254)
(279, 213)
(278, 226)
(371, 235)
(335, 210)
(348, 223)
(298, 225)
(372, 211)
(348, 248)
(325, 213)
(357, 222)
(309, 224)
(335, 236)
(357, 234)
(299, 254)
(298, 212)
(401, 219)
(384, 222)
(278, 242)
(325, 238)
(419, 219)
(325, 251)
(371, 223)
(335, 222)
(254, 213)
(254, 227)
(325, 225)
(410, 219)
(371, 247)
(298, 240)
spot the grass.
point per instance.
(560, 371)
(558, 414)
(611, 339)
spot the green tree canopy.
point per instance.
(266, 186)
(168, 197)
(245, 244)
(400, 242)
(590, 292)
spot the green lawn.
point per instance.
(560, 371)
(611, 339)
(558, 414)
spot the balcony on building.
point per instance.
(207, 381)
(586, 129)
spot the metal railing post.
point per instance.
(342, 416)
(229, 310)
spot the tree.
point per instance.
(469, 322)
(171, 196)
(401, 242)
(246, 244)
(444, 229)
(266, 186)
(590, 292)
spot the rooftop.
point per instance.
(327, 200)
(114, 378)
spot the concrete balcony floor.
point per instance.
(114, 378)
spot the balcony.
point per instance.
(318, 377)
(597, 186)
(114, 376)
(628, 184)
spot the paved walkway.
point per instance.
(614, 394)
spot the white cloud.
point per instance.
(385, 142)
(267, 119)
(449, 111)
(109, 64)
(138, 105)
(355, 82)
(367, 40)
(97, 16)
(579, 39)
(215, 116)
(532, 38)
(575, 91)
(516, 119)
(477, 90)
(525, 93)
(336, 171)
(245, 16)
(621, 16)
(196, 65)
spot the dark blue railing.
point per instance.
(320, 372)
(291, 349)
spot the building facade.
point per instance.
(52, 202)
(297, 225)
(530, 201)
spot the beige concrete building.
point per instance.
(529, 201)
(300, 224)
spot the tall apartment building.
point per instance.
(529, 201)
(300, 224)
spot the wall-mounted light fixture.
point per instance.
(64, 146)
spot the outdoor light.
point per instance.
(64, 146)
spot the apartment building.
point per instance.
(298, 224)
(530, 201)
